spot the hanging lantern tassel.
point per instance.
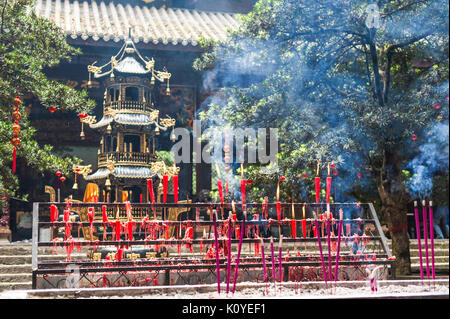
(14, 161)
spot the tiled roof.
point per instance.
(111, 21)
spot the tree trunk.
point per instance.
(394, 200)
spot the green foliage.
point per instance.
(28, 46)
(337, 91)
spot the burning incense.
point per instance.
(280, 259)
(425, 235)
(217, 250)
(239, 250)
(336, 271)
(321, 253)
(230, 226)
(263, 260)
(416, 215)
(273, 259)
(430, 207)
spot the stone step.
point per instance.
(19, 277)
(437, 252)
(441, 267)
(13, 269)
(15, 285)
(438, 243)
(437, 259)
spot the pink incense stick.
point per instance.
(329, 249)
(239, 251)
(230, 226)
(425, 235)
(324, 270)
(419, 244)
(263, 260)
(217, 251)
(433, 274)
(336, 271)
(280, 259)
(273, 259)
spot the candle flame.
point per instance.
(318, 167)
(328, 169)
(233, 207)
(304, 208)
(293, 211)
(242, 170)
(278, 191)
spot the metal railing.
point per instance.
(359, 216)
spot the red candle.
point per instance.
(328, 189)
(294, 228)
(237, 231)
(140, 198)
(104, 214)
(150, 190)
(226, 187)
(165, 183)
(317, 183)
(91, 214)
(315, 231)
(130, 230)
(304, 227)
(243, 190)
(66, 215)
(118, 229)
(175, 189)
(53, 213)
(220, 187)
(278, 211)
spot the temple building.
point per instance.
(167, 32)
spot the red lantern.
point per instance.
(62, 179)
(52, 109)
(332, 166)
(282, 178)
(58, 173)
(359, 175)
(15, 141)
(16, 115)
(17, 101)
(437, 106)
(304, 175)
(249, 181)
(82, 115)
(335, 172)
(414, 137)
(16, 127)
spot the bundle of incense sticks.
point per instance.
(273, 259)
(217, 250)
(230, 226)
(321, 253)
(416, 216)
(263, 260)
(425, 235)
(280, 259)
(239, 250)
(336, 271)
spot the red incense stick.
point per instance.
(280, 259)
(329, 249)
(165, 184)
(273, 259)
(419, 244)
(425, 235)
(433, 274)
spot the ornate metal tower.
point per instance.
(130, 123)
